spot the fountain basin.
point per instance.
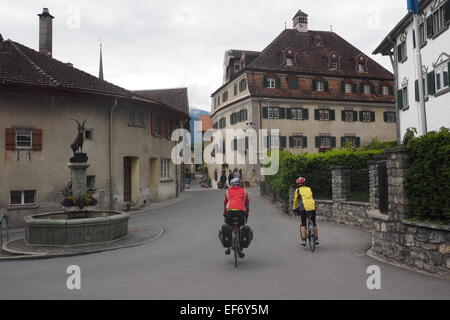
(62, 229)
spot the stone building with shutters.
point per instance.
(127, 138)
(316, 88)
(433, 38)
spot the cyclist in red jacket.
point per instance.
(236, 203)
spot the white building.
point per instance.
(433, 39)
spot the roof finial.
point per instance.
(100, 72)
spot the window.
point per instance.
(361, 67)
(389, 117)
(136, 118)
(348, 88)
(88, 134)
(319, 86)
(441, 73)
(222, 123)
(324, 115)
(293, 83)
(366, 116)
(325, 142)
(334, 65)
(165, 169)
(26, 197)
(385, 90)
(439, 20)
(349, 116)
(348, 141)
(297, 114)
(235, 89)
(243, 85)
(271, 82)
(24, 138)
(236, 67)
(297, 142)
(274, 113)
(289, 61)
(225, 96)
(405, 97)
(274, 142)
(422, 34)
(401, 51)
(366, 89)
(90, 182)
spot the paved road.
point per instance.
(188, 263)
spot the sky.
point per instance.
(151, 44)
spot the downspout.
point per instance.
(111, 163)
(394, 62)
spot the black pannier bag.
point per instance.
(225, 236)
(246, 236)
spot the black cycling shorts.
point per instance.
(303, 217)
(242, 215)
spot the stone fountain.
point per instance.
(79, 222)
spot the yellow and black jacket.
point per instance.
(303, 199)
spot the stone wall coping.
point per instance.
(340, 167)
(356, 203)
(427, 225)
(399, 149)
(325, 201)
(377, 215)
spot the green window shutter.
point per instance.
(391, 90)
(448, 5)
(293, 84)
(360, 115)
(288, 113)
(231, 118)
(372, 116)
(314, 85)
(372, 89)
(266, 82)
(447, 12)
(333, 142)
(400, 99)
(278, 83)
(325, 85)
(416, 89)
(361, 88)
(355, 116)
(282, 142)
(291, 142)
(343, 86)
(343, 115)
(316, 114)
(282, 113)
(332, 115)
(305, 142)
(235, 89)
(305, 114)
(385, 116)
(265, 113)
(317, 142)
(414, 38)
(431, 83)
(430, 25)
(342, 142)
(358, 142)
(354, 87)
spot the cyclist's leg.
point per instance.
(303, 225)
(315, 228)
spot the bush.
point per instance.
(428, 181)
(318, 166)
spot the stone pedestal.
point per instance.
(78, 174)
(341, 183)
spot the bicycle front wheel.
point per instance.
(311, 238)
(236, 250)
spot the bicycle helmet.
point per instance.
(235, 181)
(300, 181)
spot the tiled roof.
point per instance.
(207, 122)
(24, 66)
(313, 58)
(176, 98)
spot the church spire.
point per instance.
(100, 71)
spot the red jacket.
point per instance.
(236, 198)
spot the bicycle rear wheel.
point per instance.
(311, 237)
(236, 249)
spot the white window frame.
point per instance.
(385, 90)
(325, 142)
(165, 169)
(28, 134)
(441, 75)
(348, 116)
(274, 142)
(439, 20)
(272, 83)
(22, 202)
(348, 88)
(289, 61)
(366, 116)
(324, 115)
(350, 139)
(366, 89)
(334, 65)
(390, 117)
(297, 114)
(405, 97)
(298, 142)
(361, 66)
(320, 86)
(274, 113)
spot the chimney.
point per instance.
(301, 21)
(45, 32)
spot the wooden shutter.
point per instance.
(265, 114)
(37, 139)
(10, 139)
(361, 115)
(391, 90)
(430, 25)
(333, 142)
(282, 113)
(354, 87)
(289, 113)
(416, 89)
(332, 115)
(361, 88)
(431, 83)
(343, 86)
(358, 142)
(282, 142)
(325, 85)
(291, 142)
(314, 85)
(355, 116)
(316, 114)
(277, 83)
(317, 142)
(305, 142)
(305, 115)
(385, 116)
(372, 89)
(372, 116)
(400, 99)
(343, 115)
(266, 82)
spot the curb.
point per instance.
(148, 210)
(60, 255)
(372, 255)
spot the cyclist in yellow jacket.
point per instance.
(304, 203)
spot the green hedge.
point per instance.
(318, 167)
(428, 181)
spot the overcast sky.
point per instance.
(151, 44)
